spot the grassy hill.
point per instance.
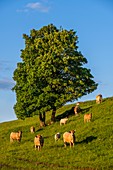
(93, 148)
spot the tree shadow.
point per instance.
(70, 112)
(85, 109)
(38, 130)
(87, 140)
(67, 113)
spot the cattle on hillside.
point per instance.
(99, 99)
(57, 136)
(16, 136)
(38, 142)
(32, 129)
(77, 109)
(87, 117)
(63, 121)
(69, 137)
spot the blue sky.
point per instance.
(91, 19)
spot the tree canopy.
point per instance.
(51, 72)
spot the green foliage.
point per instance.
(51, 72)
(93, 148)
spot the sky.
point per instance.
(91, 19)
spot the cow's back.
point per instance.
(66, 136)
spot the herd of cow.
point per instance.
(68, 137)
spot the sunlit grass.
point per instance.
(93, 148)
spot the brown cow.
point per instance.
(32, 129)
(99, 99)
(69, 137)
(63, 121)
(38, 141)
(87, 117)
(77, 110)
(16, 136)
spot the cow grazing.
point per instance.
(57, 136)
(39, 142)
(99, 99)
(87, 117)
(32, 129)
(16, 136)
(63, 121)
(69, 137)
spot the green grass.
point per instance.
(93, 148)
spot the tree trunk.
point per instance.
(42, 118)
(53, 114)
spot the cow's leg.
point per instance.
(71, 144)
(38, 148)
(65, 144)
(11, 140)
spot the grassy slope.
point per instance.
(93, 148)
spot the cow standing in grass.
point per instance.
(69, 137)
(99, 99)
(57, 136)
(87, 117)
(32, 129)
(63, 121)
(39, 142)
(16, 136)
(77, 109)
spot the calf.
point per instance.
(63, 121)
(87, 117)
(16, 136)
(32, 129)
(99, 99)
(69, 137)
(38, 141)
(57, 136)
(77, 110)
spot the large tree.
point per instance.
(51, 72)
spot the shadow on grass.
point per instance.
(85, 110)
(87, 140)
(70, 112)
(67, 113)
(38, 130)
